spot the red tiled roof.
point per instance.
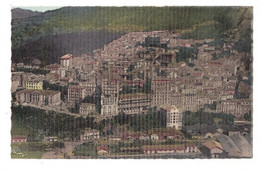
(213, 144)
(129, 149)
(163, 147)
(105, 148)
(19, 137)
(66, 57)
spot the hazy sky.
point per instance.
(39, 8)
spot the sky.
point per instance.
(38, 8)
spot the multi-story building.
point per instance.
(89, 85)
(28, 80)
(173, 117)
(35, 84)
(63, 72)
(109, 97)
(177, 99)
(236, 107)
(190, 99)
(87, 108)
(161, 89)
(134, 103)
(18, 76)
(66, 61)
(166, 58)
(76, 93)
(90, 88)
(110, 87)
(109, 105)
(39, 97)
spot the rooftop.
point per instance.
(213, 144)
(164, 147)
(169, 107)
(228, 144)
(67, 56)
(44, 92)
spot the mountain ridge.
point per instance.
(19, 13)
(229, 23)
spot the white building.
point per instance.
(109, 105)
(90, 135)
(66, 61)
(173, 117)
(154, 137)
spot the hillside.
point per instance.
(18, 13)
(50, 48)
(123, 19)
(231, 24)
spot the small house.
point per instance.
(212, 149)
(19, 138)
(102, 150)
(154, 137)
(208, 135)
(90, 135)
(50, 139)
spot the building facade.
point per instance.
(173, 117)
(89, 135)
(87, 108)
(110, 87)
(109, 105)
(134, 103)
(236, 107)
(161, 89)
(76, 93)
(190, 99)
(39, 97)
(34, 85)
(19, 139)
(66, 61)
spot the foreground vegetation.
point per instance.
(85, 149)
(32, 150)
(201, 117)
(37, 123)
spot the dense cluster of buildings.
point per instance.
(142, 70)
(233, 145)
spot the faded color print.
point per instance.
(132, 82)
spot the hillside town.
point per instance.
(200, 90)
